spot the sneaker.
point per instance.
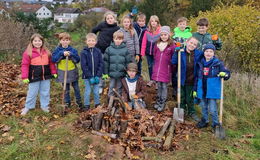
(156, 106)
(97, 105)
(24, 111)
(202, 124)
(79, 103)
(68, 105)
(195, 117)
(100, 90)
(46, 110)
(161, 108)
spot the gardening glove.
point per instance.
(177, 49)
(92, 80)
(105, 76)
(96, 80)
(222, 74)
(194, 94)
(127, 106)
(55, 75)
(26, 81)
(134, 96)
(137, 58)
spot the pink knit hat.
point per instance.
(165, 29)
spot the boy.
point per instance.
(182, 32)
(116, 58)
(207, 85)
(204, 37)
(133, 87)
(59, 57)
(140, 28)
(189, 57)
(92, 69)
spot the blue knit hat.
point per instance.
(209, 46)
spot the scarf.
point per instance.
(207, 64)
(132, 80)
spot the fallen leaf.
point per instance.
(6, 128)
(248, 136)
(49, 147)
(45, 131)
(5, 134)
(55, 116)
(62, 142)
(11, 138)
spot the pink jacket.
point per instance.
(149, 41)
(37, 67)
(162, 67)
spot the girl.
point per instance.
(37, 70)
(163, 52)
(59, 56)
(130, 38)
(151, 35)
(106, 30)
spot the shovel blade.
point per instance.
(220, 132)
(178, 115)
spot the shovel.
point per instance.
(178, 113)
(220, 131)
(61, 107)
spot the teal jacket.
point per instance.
(116, 59)
(205, 39)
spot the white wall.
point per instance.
(43, 12)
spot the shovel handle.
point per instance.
(179, 80)
(65, 79)
(221, 102)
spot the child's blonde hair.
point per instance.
(156, 18)
(91, 35)
(131, 28)
(63, 35)
(30, 45)
(140, 16)
(182, 19)
(118, 34)
(109, 13)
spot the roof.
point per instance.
(96, 9)
(30, 8)
(68, 10)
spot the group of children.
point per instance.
(117, 53)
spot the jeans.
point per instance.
(187, 102)
(75, 86)
(114, 83)
(88, 91)
(210, 106)
(139, 65)
(161, 93)
(150, 62)
(41, 87)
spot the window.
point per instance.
(47, 13)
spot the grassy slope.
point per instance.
(41, 136)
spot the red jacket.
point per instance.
(37, 67)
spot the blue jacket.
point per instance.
(91, 63)
(197, 56)
(57, 55)
(140, 32)
(213, 82)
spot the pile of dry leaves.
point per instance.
(12, 93)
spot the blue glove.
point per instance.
(96, 80)
(92, 80)
(177, 49)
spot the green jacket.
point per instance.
(182, 34)
(116, 59)
(205, 39)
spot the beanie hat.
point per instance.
(132, 67)
(209, 46)
(165, 29)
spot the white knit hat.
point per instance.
(165, 29)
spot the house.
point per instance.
(4, 12)
(66, 15)
(43, 13)
(97, 10)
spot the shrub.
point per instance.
(238, 27)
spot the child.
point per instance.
(133, 87)
(207, 85)
(189, 57)
(116, 59)
(182, 32)
(140, 28)
(150, 37)
(163, 51)
(204, 37)
(37, 70)
(59, 56)
(130, 38)
(106, 30)
(92, 68)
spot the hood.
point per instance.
(215, 62)
(187, 29)
(136, 24)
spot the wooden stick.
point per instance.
(168, 140)
(120, 100)
(156, 139)
(111, 100)
(113, 136)
(164, 128)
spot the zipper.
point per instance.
(140, 33)
(160, 63)
(91, 51)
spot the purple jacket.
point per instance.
(162, 68)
